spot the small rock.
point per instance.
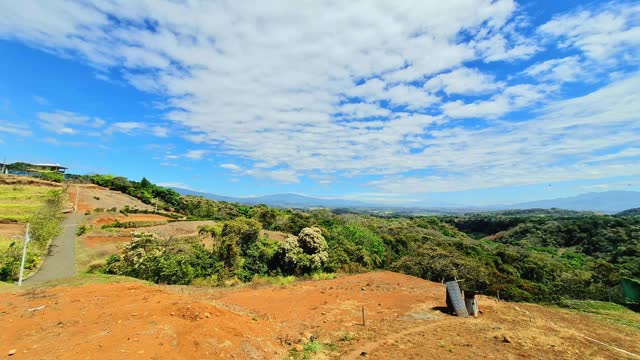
(505, 339)
(173, 314)
(364, 353)
(207, 315)
(323, 313)
(363, 288)
(298, 348)
(12, 352)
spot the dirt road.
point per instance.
(61, 260)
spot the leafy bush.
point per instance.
(45, 223)
(53, 176)
(83, 229)
(169, 262)
(11, 258)
(304, 254)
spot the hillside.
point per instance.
(606, 202)
(629, 212)
(104, 321)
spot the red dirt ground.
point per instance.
(95, 241)
(93, 197)
(140, 321)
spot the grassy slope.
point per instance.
(605, 311)
(17, 202)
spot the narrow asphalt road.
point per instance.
(60, 262)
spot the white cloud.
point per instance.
(266, 83)
(125, 127)
(535, 151)
(15, 129)
(362, 110)
(286, 176)
(565, 69)
(160, 131)
(196, 154)
(609, 33)
(512, 98)
(464, 81)
(178, 185)
(232, 167)
(60, 122)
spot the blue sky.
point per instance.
(408, 102)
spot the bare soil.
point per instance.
(8, 231)
(97, 241)
(93, 197)
(404, 321)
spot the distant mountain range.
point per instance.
(282, 200)
(606, 202)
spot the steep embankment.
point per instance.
(403, 322)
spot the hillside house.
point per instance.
(32, 168)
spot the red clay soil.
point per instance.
(95, 241)
(93, 197)
(403, 322)
(120, 321)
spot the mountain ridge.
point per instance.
(606, 201)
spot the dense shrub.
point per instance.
(162, 261)
(304, 254)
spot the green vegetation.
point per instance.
(144, 190)
(604, 311)
(629, 212)
(525, 255)
(18, 202)
(44, 226)
(133, 224)
(53, 176)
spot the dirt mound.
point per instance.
(404, 321)
(26, 180)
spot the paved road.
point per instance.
(61, 260)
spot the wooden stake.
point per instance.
(364, 316)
